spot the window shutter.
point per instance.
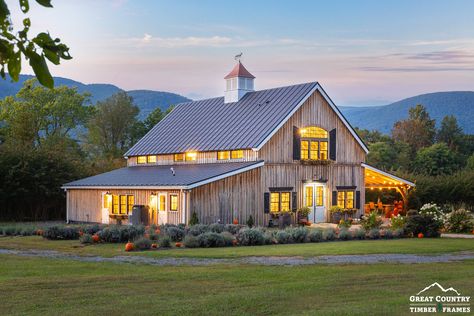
(266, 202)
(332, 144)
(294, 202)
(357, 199)
(334, 198)
(296, 144)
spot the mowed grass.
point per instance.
(62, 287)
(408, 246)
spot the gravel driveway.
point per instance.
(281, 261)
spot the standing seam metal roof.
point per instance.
(211, 124)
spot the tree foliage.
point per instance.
(436, 160)
(450, 132)
(15, 45)
(418, 130)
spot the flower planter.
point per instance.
(284, 220)
(336, 217)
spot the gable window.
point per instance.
(230, 154)
(173, 202)
(314, 143)
(122, 204)
(141, 160)
(345, 199)
(280, 202)
(178, 157)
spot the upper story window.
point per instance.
(141, 159)
(314, 143)
(151, 159)
(178, 157)
(146, 159)
(189, 156)
(230, 154)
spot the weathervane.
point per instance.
(238, 56)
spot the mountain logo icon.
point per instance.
(436, 284)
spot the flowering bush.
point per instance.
(459, 221)
(433, 210)
(371, 221)
(397, 222)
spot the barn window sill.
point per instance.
(316, 162)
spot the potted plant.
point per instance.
(349, 212)
(336, 214)
(284, 219)
(303, 215)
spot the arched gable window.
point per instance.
(314, 143)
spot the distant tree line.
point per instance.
(49, 137)
(440, 160)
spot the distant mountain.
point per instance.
(146, 100)
(439, 104)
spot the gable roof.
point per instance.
(187, 176)
(211, 124)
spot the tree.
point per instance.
(373, 136)
(418, 130)
(382, 155)
(470, 163)
(37, 114)
(15, 44)
(111, 126)
(435, 160)
(450, 132)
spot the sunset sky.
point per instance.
(362, 52)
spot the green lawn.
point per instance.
(409, 246)
(61, 287)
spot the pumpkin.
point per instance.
(154, 246)
(81, 233)
(178, 244)
(39, 232)
(95, 238)
(129, 246)
(236, 221)
(234, 242)
(420, 235)
(157, 231)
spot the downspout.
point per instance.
(67, 206)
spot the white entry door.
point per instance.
(162, 209)
(315, 199)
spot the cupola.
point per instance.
(238, 82)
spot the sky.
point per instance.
(362, 52)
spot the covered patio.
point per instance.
(385, 192)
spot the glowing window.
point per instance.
(173, 202)
(191, 156)
(313, 132)
(314, 143)
(304, 149)
(237, 154)
(319, 196)
(178, 157)
(223, 155)
(345, 199)
(280, 202)
(162, 206)
(130, 203)
(274, 202)
(285, 202)
(141, 159)
(115, 204)
(151, 159)
(309, 196)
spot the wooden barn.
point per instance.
(259, 153)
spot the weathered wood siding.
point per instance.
(235, 197)
(202, 157)
(85, 205)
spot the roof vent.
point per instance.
(238, 82)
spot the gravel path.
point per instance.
(282, 261)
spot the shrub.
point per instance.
(211, 239)
(86, 239)
(299, 234)
(216, 228)
(165, 242)
(111, 234)
(191, 241)
(315, 235)
(198, 229)
(329, 234)
(175, 233)
(345, 234)
(61, 232)
(228, 238)
(433, 210)
(27, 231)
(283, 237)
(250, 221)
(371, 221)
(397, 222)
(412, 212)
(142, 243)
(250, 237)
(374, 233)
(343, 223)
(359, 234)
(269, 238)
(9, 230)
(194, 220)
(459, 221)
(91, 229)
(425, 224)
(128, 233)
(232, 228)
(387, 234)
(398, 233)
